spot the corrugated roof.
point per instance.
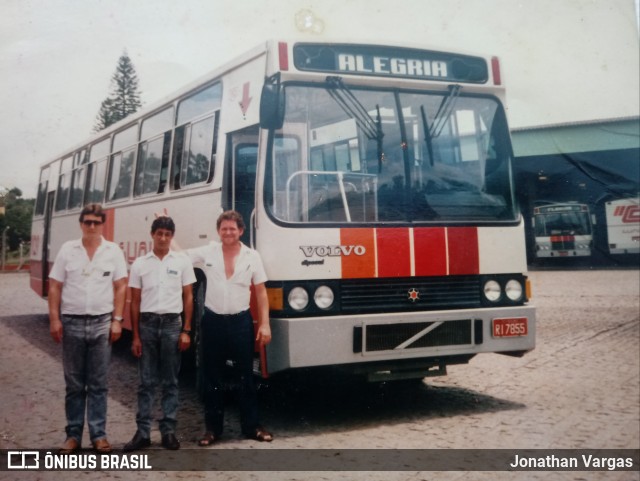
(578, 123)
(589, 136)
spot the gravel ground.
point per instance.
(579, 389)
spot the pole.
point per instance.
(4, 246)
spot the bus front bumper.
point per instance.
(396, 338)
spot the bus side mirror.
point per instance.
(272, 104)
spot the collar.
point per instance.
(151, 254)
(78, 243)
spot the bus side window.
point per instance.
(62, 195)
(178, 148)
(153, 159)
(96, 175)
(194, 156)
(121, 175)
(43, 186)
(77, 187)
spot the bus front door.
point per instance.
(46, 243)
(240, 181)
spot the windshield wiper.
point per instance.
(354, 108)
(427, 135)
(444, 111)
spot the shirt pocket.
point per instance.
(102, 272)
(172, 278)
(77, 267)
(243, 277)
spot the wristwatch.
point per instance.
(117, 318)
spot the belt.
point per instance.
(86, 316)
(159, 315)
(228, 316)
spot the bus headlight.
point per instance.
(513, 290)
(298, 298)
(492, 290)
(323, 297)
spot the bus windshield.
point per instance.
(563, 223)
(360, 155)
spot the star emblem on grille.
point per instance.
(414, 295)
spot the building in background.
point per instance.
(595, 163)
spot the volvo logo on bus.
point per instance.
(333, 251)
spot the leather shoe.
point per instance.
(169, 441)
(137, 442)
(71, 445)
(102, 446)
(261, 434)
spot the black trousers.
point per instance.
(229, 337)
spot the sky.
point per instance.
(562, 60)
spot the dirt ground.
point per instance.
(579, 389)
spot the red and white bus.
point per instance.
(563, 230)
(623, 225)
(377, 185)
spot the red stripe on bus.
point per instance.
(108, 230)
(394, 255)
(463, 250)
(430, 247)
(356, 266)
(35, 277)
(562, 238)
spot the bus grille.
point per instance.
(386, 337)
(409, 294)
(562, 243)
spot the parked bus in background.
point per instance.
(623, 225)
(563, 230)
(376, 183)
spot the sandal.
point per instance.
(207, 439)
(262, 435)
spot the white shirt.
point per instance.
(228, 296)
(87, 284)
(161, 281)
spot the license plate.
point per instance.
(509, 327)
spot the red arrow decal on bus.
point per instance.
(246, 100)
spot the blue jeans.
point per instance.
(159, 365)
(228, 337)
(86, 353)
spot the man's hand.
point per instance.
(264, 334)
(116, 331)
(55, 329)
(136, 347)
(164, 213)
(184, 341)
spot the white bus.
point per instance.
(563, 230)
(623, 225)
(376, 182)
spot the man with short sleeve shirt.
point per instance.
(227, 325)
(87, 288)
(161, 290)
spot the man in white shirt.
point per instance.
(87, 287)
(227, 325)
(160, 283)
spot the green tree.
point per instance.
(105, 115)
(17, 217)
(124, 98)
